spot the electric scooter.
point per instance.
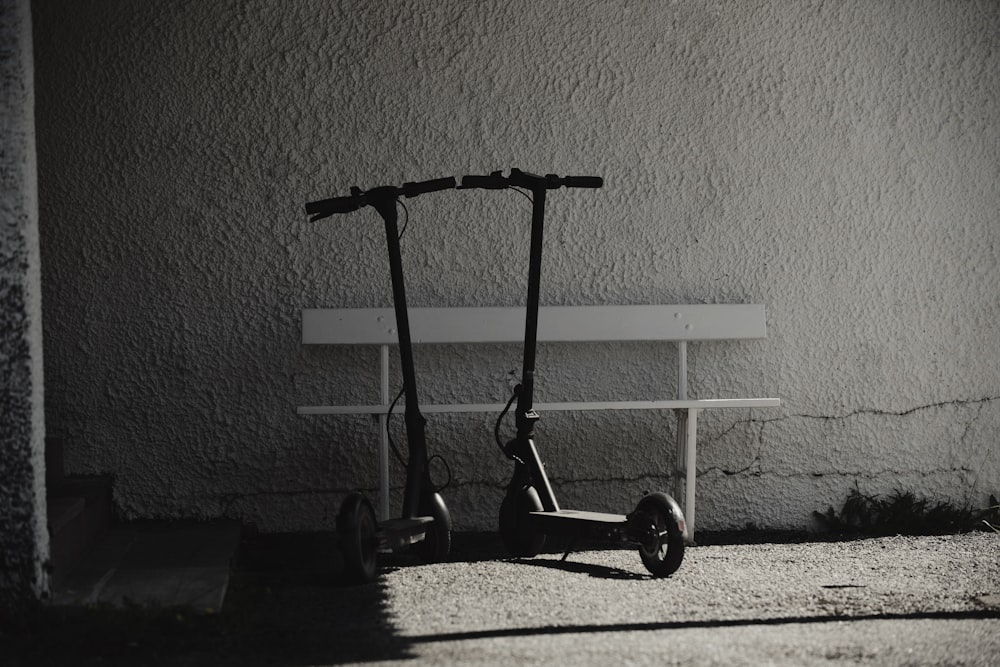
(425, 523)
(529, 511)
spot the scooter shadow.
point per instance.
(592, 569)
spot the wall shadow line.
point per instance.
(501, 633)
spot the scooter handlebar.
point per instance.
(422, 187)
(582, 181)
(518, 178)
(326, 207)
(493, 181)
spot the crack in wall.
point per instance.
(752, 468)
(754, 461)
(862, 474)
(980, 404)
(231, 499)
(890, 413)
(975, 418)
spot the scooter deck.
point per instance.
(579, 523)
(396, 533)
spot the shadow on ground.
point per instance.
(287, 604)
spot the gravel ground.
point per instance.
(893, 600)
(884, 601)
(892, 575)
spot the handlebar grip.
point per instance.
(582, 181)
(421, 187)
(325, 207)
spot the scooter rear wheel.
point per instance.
(358, 530)
(516, 530)
(663, 547)
(436, 544)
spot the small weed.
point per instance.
(905, 513)
(992, 520)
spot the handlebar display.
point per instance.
(423, 187)
(358, 198)
(493, 181)
(518, 178)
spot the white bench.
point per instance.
(678, 324)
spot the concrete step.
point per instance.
(79, 513)
(155, 564)
(54, 470)
(63, 512)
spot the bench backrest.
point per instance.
(377, 326)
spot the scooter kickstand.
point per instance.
(569, 549)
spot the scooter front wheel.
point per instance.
(358, 532)
(662, 534)
(516, 530)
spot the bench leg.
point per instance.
(691, 470)
(680, 451)
(685, 473)
(383, 469)
(383, 449)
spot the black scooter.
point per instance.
(529, 511)
(425, 523)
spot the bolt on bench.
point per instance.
(680, 324)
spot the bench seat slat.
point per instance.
(689, 404)
(377, 326)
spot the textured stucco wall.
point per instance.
(24, 540)
(838, 162)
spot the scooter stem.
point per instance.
(526, 416)
(417, 472)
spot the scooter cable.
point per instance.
(447, 468)
(388, 432)
(503, 413)
(522, 193)
(496, 427)
(399, 455)
(406, 219)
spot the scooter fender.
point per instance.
(675, 510)
(678, 515)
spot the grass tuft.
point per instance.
(905, 513)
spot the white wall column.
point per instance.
(24, 541)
